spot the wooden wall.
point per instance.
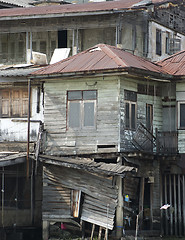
(61, 140)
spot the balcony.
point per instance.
(161, 143)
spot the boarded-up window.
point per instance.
(82, 109)
(14, 102)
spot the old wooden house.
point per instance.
(136, 26)
(107, 106)
(20, 206)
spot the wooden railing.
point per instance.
(167, 142)
(162, 142)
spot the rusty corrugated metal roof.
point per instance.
(87, 164)
(101, 57)
(77, 8)
(175, 64)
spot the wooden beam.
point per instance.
(92, 232)
(183, 192)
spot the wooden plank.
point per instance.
(92, 232)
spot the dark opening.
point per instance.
(62, 39)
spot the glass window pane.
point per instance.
(74, 114)
(89, 114)
(74, 95)
(127, 115)
(133, 120)
(88, 95)
(182, 115)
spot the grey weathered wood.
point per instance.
(92, 232)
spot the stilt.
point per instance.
(45, 230)
(92, 232)
(100, 232)
(106, 234)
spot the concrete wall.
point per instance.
(152, 40)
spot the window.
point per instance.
(14, 102)
(167, 50)
(181, 115)
(149, 116)
(130, 109)
(158, 42)
(82, 109)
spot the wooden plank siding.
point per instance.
(60, 139)
(127, 135)
(99, 203)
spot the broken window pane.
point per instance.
(74, 114)
(89, 114)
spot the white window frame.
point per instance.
(179, 124)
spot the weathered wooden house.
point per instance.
(107, 106)
(20, 206)
(136, 26)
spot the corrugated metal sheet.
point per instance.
(75, 8)
(87, 164)
(17, 70)
(175, 64)
(100, 57)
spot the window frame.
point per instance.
(11, 101)
(179, 115)
(130, 117)
(149, 116)
(82, 112)
(158, 42)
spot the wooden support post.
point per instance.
(151, 206)
(106, 234)
(92, 232)
(83, 230)
(45, 230)
(161, 203)
(141, 198)
(179, 207)
(183, 191)
(166, 201)
(175, 203)
(171, 204)
(119, 209)
(100, 232)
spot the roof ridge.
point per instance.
(108, 51)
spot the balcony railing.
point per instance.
(162, 142)
(167, 142)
